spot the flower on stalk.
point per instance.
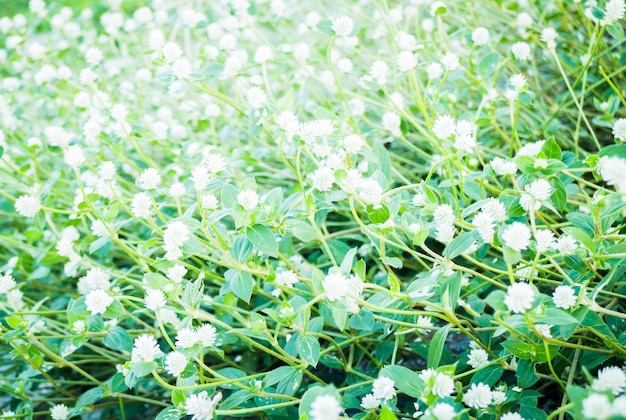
(325, 407)
(519, 297)
(383, 388)
(478, 396)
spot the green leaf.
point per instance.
(240, 283)
(118, 339)
(170, 413)
(156, 281)
(363, 320)
(301, 229)
(559, 317)
(489, 375)
(387, 414)
(379, 215)
(551, 149)
(236, 399)
(451, 291)
(511, 256)
(488, 64)
(89, 397)
(394, 262)
(518, 349)
(384, 161)
(241, 249)
(309, 349)
(526, 374)
(459, 245)
(325, 26)
(114, 310)
(420, 237)
(405, 380)
(436, 346)
(263, 239)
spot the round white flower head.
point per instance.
(323, 179)
(619, 406)
(443, 385)
(518, 82)
(93, 56)
(248, 199)
(383, 388)
(544, 330)
(442, 411)
(154, 300)
(335, 286)
(256, 97)
(564, 297)
(549, 35)
(544, 239)
(182, 68)
(485, 226)
(186, 338)
(343, 26)
(391, 121)
(611, 168)
(27, 205)
(444, 214)
(207, 334)
(407, 61)
(145, 349)
(59, 412)
(503, 167)
(521, 50)
(450, 61)
(477, 358)
(286, 278)
(209, 201)
(353, 143)
(176, 273)
(172, 52)
(175, 234)
(371, 192)
(516, 236)
(74, 156)
(495, 209)
(263, 54)
(444, 127)
(478, 396)
(97, 301)
(434, 71)
(7, 282)
(613, 11)
(480, 36)
(596, 406)
(141, 205)
(149, 179)
(511, 416)
(619, 129)
(200, 406)
(499, 397)
(325, 407)
(369, 402)
(379, 71)
(519, 297)
(175, 363)
(611, 378)
(566, 245)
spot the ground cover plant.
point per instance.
(288, 209)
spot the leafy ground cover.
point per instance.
(316, 210)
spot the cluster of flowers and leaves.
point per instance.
(318, 210)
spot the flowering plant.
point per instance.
(411, 209)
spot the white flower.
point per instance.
(256, 97)
(7, 282)
(149, 179)
(325, 407)
(549, 35)
(186, 338)
(611, 168)
(442, 411)
(485, 226)
(544, 239)
(524, 20)
(619, 129)
(536, 192)
(499, 397)
(97, 301)
(176, 273)
(175, 363)
(93, 56)
(434, 71)
(74, 156)
(477, 358)
(619, 406)
(519, 297)
(343, 26)
(516, 236)
(141, 205)
(596, 406)
(564, 297)
(145, 349)
(323, 179)
(521, 50)
(439, 383)
(215, 163)
(154, 300)
(450, 61)
(611, 378)
(200, 406)
(406, 61)
(478, 396)
(248, 199)
(369, 402)
(511, 416)
(383, 388)
(209, 201)
(480, 36)
(371, 192)
(353, 143)
(379, 71)
(263, 54)
(286, 278)
(95, 279)
(206, 334)
(503, 167)
(171, 52)
(182, 68)
(444, 127)
(614, 11)
(59, 412)
(335, 286)
(445, 233)
(566, 245)
(518, 81)
(27, 205)
(391, 121)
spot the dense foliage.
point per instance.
(289, 209)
